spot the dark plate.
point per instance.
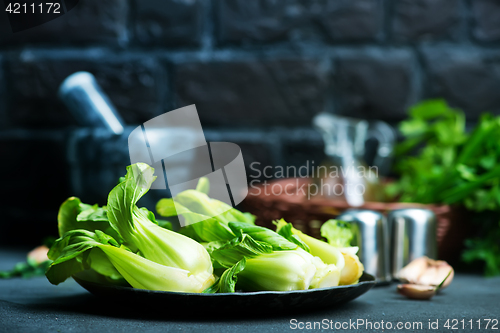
(261, 301)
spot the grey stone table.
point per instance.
(35, 305)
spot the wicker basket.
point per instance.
(308, 215)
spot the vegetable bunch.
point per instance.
(126, 245)
(439, 162)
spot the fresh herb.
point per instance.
(35, 265)
(439, 162)
(26, 270)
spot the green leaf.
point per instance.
(412, 128)
(200, 227)
(166, 207)
(164, 224)
(484, 250)
(68, 212)
(212, 230)
(213, 288)
(201, 206)
(203, 185)
(286, 231)
(99, 262)
(75, 215)
(229, 278)
(455, 194)
(67, 253)
(466, 172)
(123, 198)
(327, 253)
(488, 161)
(70, 254)
(93, 213)
(430, 109)
(61, 271)
(338, 233)
(206, 219)
(229, 253)
(197, 202)
(262, 234)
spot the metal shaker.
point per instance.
(371, 235)
(413, 235)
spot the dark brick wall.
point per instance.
(258, 72)
(168, 23)
(281, 91)
(242, 21)
(426, 19)
(376, 83)
(133, 83)
(467, 76)
(486, 16)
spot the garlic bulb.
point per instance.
(424, 277)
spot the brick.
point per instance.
(91, 21)
(254, 91)
(425, 19)
(271, 20)
(375, 84)
(131, 84)
(168, 22)
(486, 15)
(350, 20)
(34, 184)
(468, 78)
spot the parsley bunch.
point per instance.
(439, 162)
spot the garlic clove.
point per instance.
(436, 273)
(412, 272)
(415, 291)
(38, 254)
(426, 271)
(442, 272)
(425, 277)
(428, 277)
